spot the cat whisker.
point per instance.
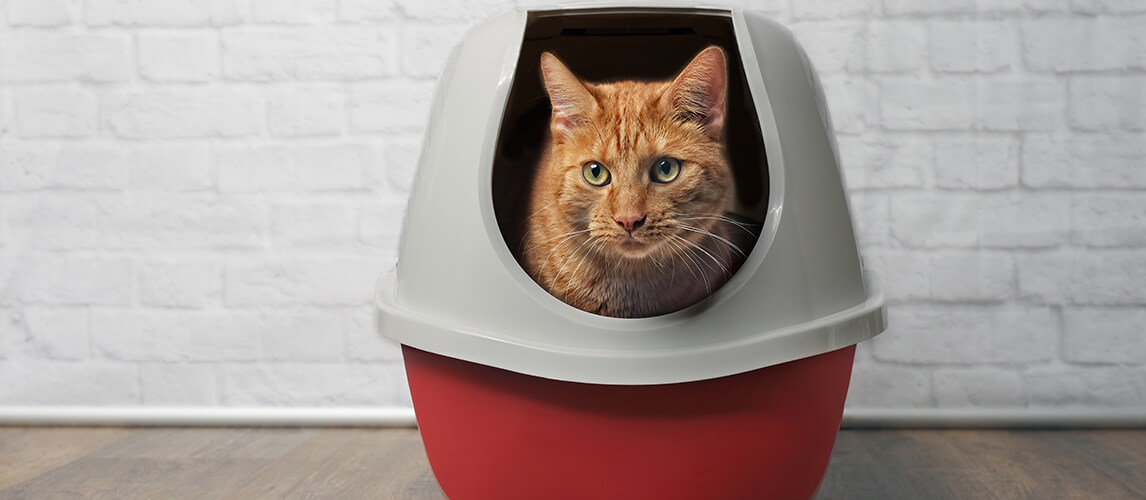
(535, 212)
(722, 218)
(657, 262)
(684, 252)
(566, 236)
(553, 283)
(555, 248)
(706, 252)
(591, 251)
(714, 236)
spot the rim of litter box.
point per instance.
(630, 367)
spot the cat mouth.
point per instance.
(632, 246)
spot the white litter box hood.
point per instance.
(458, 291)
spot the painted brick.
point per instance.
(127, 335)
(400, 106)
(178, 384)
(972, 277)
(969, 335)
(979, 162)
(367, 11)
(26, 167)
(53, 223)
(171, 167)
(162, 12)
(58, 333)
(62, 279)
(1106, 277)
(379, 224)
(293, 11)
(893, 47)
(829, 9)
(16, 342)
(345, 53)
(777, 9)
(244, 163)
(1108, 219)
(54, 112)
(1077, 386)
(5, 239)
(312, 224)
(937, 105)
(184, 112)
(882, 386)
(6, 111)
(364, 343)
(298, 111)
(1027, 105)
(58, 57)
(832, 46)
(67, 383)
(1104, 335)
(304, 335)
(179, 57)
(424, 48)
(183, 222)
(181, 282)
(904, 276)
(1108, 102)
(973, 46)
(453, 9)
(88, 166)
(993, 220)
(1020, 6)
(311, 385)
(978, 387)
(852, 103)
(1107, 6)
(278, 168)
(402, 155)
(331, 281)
(881, 162)
(39, 12)
(870, 215)
(1083, 162)
(912, 7)
(1084, 44)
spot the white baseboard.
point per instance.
(208, 416)
(863, 418)
(995, 418)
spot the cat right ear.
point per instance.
(572, 103)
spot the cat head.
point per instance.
(639, 165)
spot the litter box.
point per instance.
(520, 395)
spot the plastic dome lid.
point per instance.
(457, 289)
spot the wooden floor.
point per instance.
(196, 463)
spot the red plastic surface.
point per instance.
(495, 434)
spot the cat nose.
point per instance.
(631, 222)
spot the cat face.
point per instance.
(639, 166)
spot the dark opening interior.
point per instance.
(620, 44)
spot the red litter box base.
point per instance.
(495, 434)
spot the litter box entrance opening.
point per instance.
(604, 45)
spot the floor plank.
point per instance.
(284, 463)
(29, 452)
(987, 464)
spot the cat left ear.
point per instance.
(571, 101)
(697, 94)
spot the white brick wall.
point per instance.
(196, 196)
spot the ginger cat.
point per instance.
(627, 207)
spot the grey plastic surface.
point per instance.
(458, 291)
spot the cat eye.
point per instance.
(665, 170)
(595, 173)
